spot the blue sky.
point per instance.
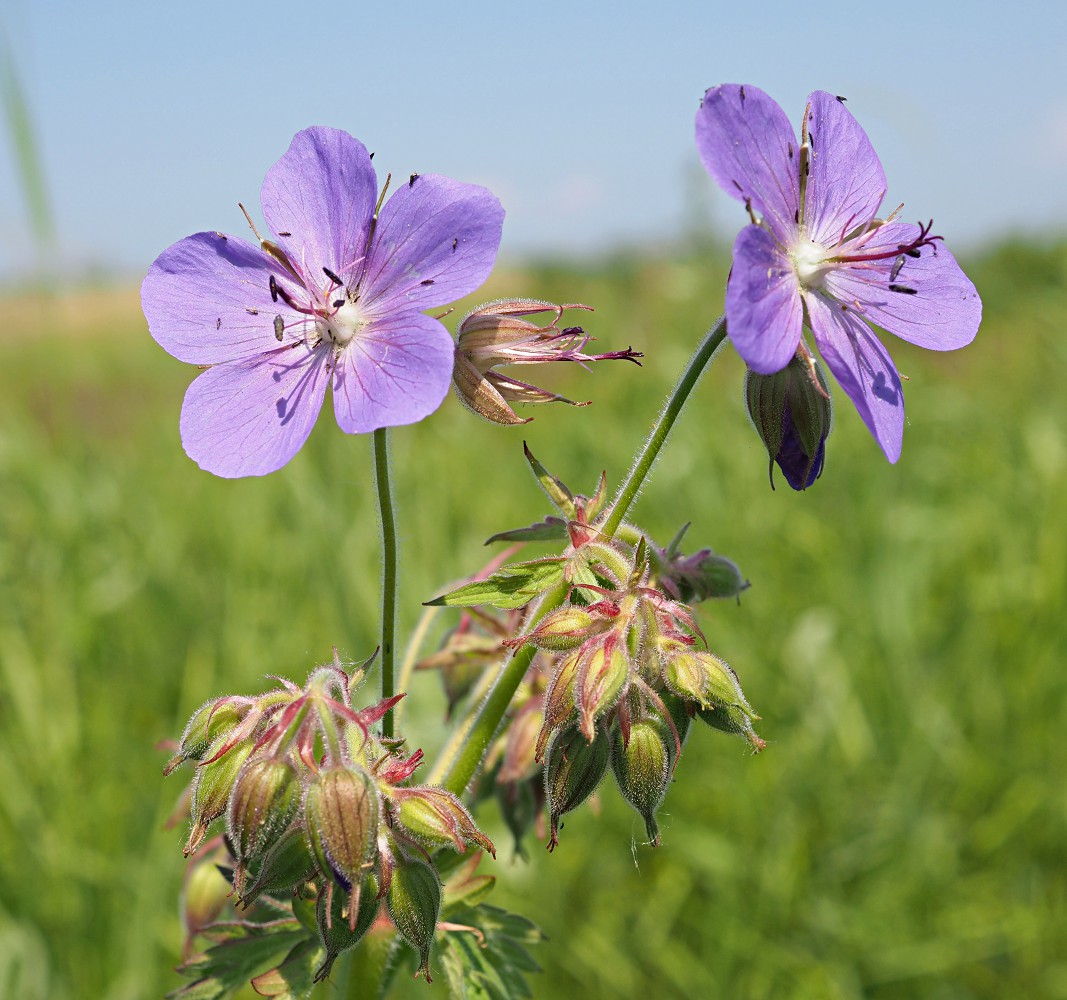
(155, 119)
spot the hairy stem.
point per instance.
(712, 341)
(389, 560)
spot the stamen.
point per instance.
(911, 249)
(903, 289)
(279, 328)
(897, 265)
(412, 179)
(333, 277)
(273, 285)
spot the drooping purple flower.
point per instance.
(817, 252)
(337, 297)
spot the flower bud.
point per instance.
(264, 801)
(341, 811)
(340, 927)
(704, 575)
(437, 818)
(792, 413)
(573, 769)
(559, 702)
(559, 631)
(728, 709)
(642, 768)
(287, 864)
(212, 787)
(415, 904)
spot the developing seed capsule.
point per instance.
(341, 811)
(642, 768)
(211, 790)
(264, 801)
(333, 915)
(414, 905)
(437, 818)
(573, 769)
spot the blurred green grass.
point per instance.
(902, 836)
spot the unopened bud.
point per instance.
(559, 702)
(574, 768)
(559, 631)
(729, 710)
(415, 904)
(600, 682)
(210, 721)
(642, 768)
(341, 811)
(792, 414)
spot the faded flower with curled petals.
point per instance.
(816, 252)
(337, 297)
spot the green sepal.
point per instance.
(554, 488)
(510, 587)
(295, 977)
(551, 529)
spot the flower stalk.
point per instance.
(387, 518)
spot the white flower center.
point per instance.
(811, 264)
(344, 324)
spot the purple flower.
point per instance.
(816, 251)
(337, 297)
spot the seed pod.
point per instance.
(210, 721)
(642, 768)
(344, 918)
(211, 790)
(573, 769)
(341, 811)
(264, 801)
(287, 864)
(414, 905)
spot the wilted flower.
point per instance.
(496, 334)
(336, 297)
(817, 251)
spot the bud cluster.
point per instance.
(315, 803)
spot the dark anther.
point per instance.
(796, 216)
(412, 179)
(279, 328)
(273, 289)
(283, 233)
(286, 297)
(333, 277)
(371, 156)
(897, 265)
(842, 99)
(337, 303)
(742, 94)
(426, 281)
(455, 243)
(904, 290)
(218, 323)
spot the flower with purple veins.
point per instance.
(337, 297)
(817, 253)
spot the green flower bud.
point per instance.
(559, 702)
(573, 769)
(563, 629)
(344, 918)
(287, 864)
(264, 801)
(729, 710)
(602, 676)
(341, 811)
(414, 905)
(212, 787)
(643, 768)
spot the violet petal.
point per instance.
(862, 368)
(396, 371)
(322, 192)
(436, 241)
(248, 418)
(207, 300)
(847, 183)
(749, 148)
(931, 303)
(763, 308)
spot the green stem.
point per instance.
(712, 341)
(389, 559)
(466, 749)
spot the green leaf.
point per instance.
(554, 488)
(510, 587)
(493, 966)
(295, 977)
(242, 951)
(551, 529)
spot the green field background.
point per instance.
(904, 833)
